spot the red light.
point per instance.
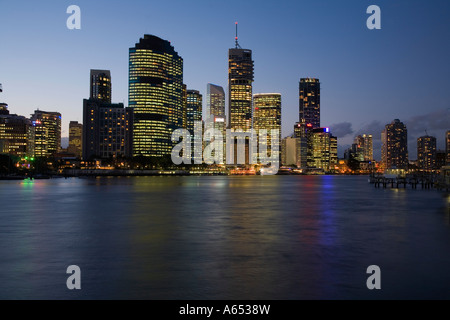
(236, 22)
(235, 38)
(309, 125)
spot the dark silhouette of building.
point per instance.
(101, 86)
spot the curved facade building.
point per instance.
(156, 95)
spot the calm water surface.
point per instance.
(281, 237)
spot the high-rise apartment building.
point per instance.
(426, 153)
(394, 151)
(156, 95)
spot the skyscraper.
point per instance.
(215, 101)
(193, 108)
(240, 79)
(194, 121)
(309, 97)
(267, 116)
(368, 147)
(107, 129)
(46, 133)
(156, 95)
(101, 86)
(302, 132)
(240, 93)
(75, 138)
(394, 151)
(426, 153)
(215, 112)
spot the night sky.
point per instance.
(368, 77)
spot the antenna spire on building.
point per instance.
(1, 89)
(236, 38)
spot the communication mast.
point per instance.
(236, 38)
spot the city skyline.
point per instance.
(384, 84)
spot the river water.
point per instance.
(224, 237)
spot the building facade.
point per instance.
(15, 134)
(240, 88)
(101, 86)
(75, 138)
(426, 153)
(309, 101)
(156, 95)
(323, 146)
(267, 116)
(394, 150)
(46, 133)
(107, 130)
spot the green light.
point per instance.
(26, 158)
(32, 159)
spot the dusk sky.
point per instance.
(368, 77)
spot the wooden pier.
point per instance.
(414, 182)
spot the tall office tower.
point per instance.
(14, 133)
(215, 101)
(194, 108)
(303, 131)
(194, 119)
(394, 151)
(75, 138)
(324, 149)
(368, 147)
(46, 133)
(107, 129)
(156, 95)
(184, 105)
(447, 146)
(215, 112)
(309, 97)
(426, 153)
(267, 116)
(240, 79)
(101, 86)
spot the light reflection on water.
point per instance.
(282, 237)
